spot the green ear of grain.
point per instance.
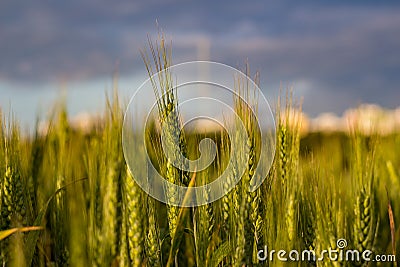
(153, 241)
(133, 204)
(220, 254)
(169, 119)
(365, 223)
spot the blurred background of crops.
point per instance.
(74, 183)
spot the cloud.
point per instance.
(353, 62)
(343, 50)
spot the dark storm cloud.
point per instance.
(349, 51)
(346, 55)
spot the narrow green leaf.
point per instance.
(33, 236)
(6, 233)
(180, 227)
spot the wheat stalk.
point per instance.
(134, 221)
(153, 242)
(13, 203)
(169, 119)
(203, 223)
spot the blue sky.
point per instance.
(336, 54)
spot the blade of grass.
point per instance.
(392, 225)
(33, 236)
(183, 213)
(6, 233)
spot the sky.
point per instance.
(335, 54)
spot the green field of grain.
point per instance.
(67, 197)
